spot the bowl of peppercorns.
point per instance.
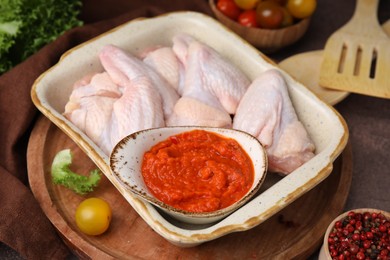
(269, 25)
(358, 234)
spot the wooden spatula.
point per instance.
(357, 56)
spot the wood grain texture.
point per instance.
(293, 233)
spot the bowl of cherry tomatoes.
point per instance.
(269, 25)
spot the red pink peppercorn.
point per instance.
(360, 236)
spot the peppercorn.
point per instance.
(360, 236)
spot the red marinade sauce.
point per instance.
(198, 171)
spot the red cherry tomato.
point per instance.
(248, 18)
(229, 8)
(269, 15)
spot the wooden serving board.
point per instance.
(295, 232)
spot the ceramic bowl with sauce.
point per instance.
(127, 158)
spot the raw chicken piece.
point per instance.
(194, 112)
(90, 85)
(123, 68)
(139, 108)
(212, 85)
(207, 71)
(267, 113)
(90, 106)
(181, 43)
(164, 61)
(202, 110)
(96, 112)
(106, 112)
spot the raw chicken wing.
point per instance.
(207, 71)
(124, 67)
(164, 61)
(107, 112)
(266, 112)
(139, 108)
(90, 106)
(212, 85)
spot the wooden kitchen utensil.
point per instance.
(386, 27)
(357, 56)
(305, 67)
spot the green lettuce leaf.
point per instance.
(28, 25)
(63, 175)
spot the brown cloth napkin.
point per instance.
(23, 225)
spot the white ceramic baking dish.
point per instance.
(326, 127)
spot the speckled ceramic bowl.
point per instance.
(126, 161)
(324, 124)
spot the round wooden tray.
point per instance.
(295, 232)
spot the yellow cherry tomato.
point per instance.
(301, 8)
(246, 4)
(93, 216)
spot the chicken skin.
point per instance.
(267, 113)
(214, 83)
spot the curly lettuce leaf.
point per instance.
(27, 25)
(10, 25)
(62, 175)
